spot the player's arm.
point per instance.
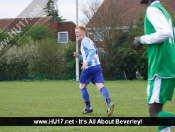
(91, 50)
(160, 24)
(80, 57)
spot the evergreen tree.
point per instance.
(51, 9)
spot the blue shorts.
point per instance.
(93, 74)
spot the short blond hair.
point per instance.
(82, 28)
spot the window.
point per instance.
(63, 37)
(98, 36)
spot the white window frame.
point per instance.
(97, 36)
(59, 37)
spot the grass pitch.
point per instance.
(63, 99)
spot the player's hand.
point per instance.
(84, 65)
(136, 45)
(75, 54)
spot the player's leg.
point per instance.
(158, 92)
(99, 82)
(154, 109)
(84, 81)
(105, 93)
(85, 96)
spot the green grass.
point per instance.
(63, 99)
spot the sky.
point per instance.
(67, 8)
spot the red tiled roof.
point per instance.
(122, 12)
(169, 5)
(18, 23)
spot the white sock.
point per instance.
(167, 129)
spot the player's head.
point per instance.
(80, 32)
(146, 1)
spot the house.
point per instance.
(65, 30)
(119, 14)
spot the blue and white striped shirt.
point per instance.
(89, 52)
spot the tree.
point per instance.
(36, 33)
(51, 9)
(112, 23)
